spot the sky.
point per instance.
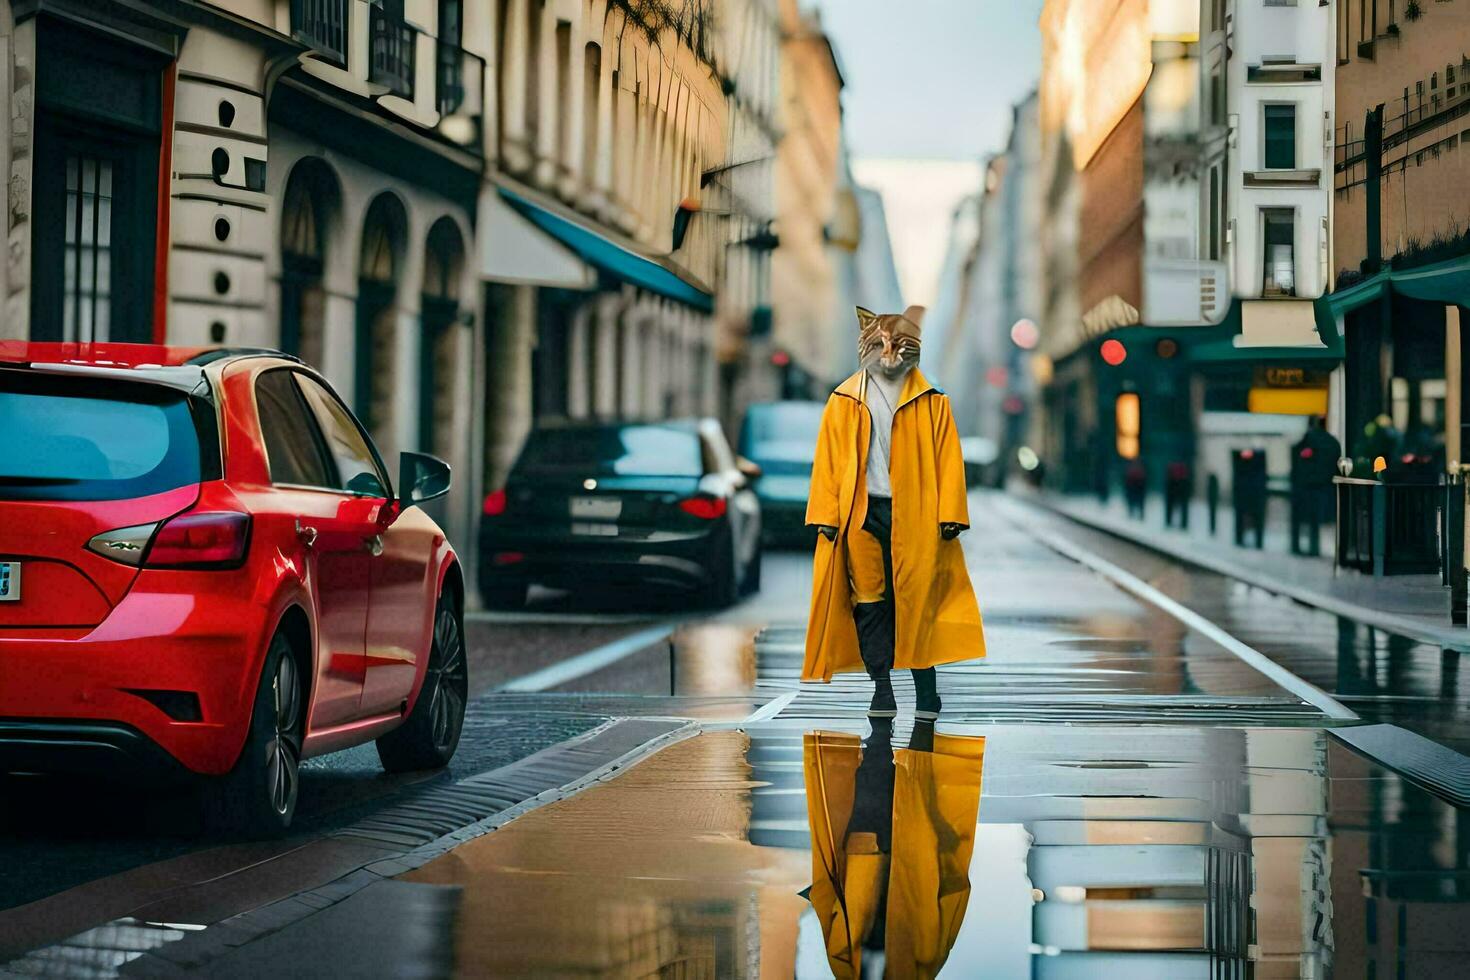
(930, 85)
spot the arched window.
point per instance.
(443, 265)
(384, 229)
(308, 208)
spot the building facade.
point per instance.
(273, 173)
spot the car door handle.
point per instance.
(374, 544)
(306, 533)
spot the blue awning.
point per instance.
(610, 258)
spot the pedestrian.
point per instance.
(1313, 464)
(1178, 489)
(1135, 488)
(889, 585)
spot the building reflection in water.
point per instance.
(891, 838)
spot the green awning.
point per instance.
(1216, 344)
(611, 259)
(1443, 282)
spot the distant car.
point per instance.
(205, 570)
(980, 455)
(589, 504)
(781, 438)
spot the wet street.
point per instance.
(1151, 775)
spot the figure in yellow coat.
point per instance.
(889, 585)
(892, 836)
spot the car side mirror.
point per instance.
(421, 478)
(749, 469)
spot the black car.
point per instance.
(593, 504)
(781, 438)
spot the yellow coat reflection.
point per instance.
(892, 834)
(937, 617)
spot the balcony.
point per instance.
(459, 80)
(391, 53)
(322, 24)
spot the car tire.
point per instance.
(503, 595)
(724, 577)
(258, 796)
(430, 734)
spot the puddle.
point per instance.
(1142, 852)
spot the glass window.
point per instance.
(84, 439)
(1278, 242)
(357, 466)
(292, 443)
(782, 436)
(628, 450)
(87, 305)
(1280, 137)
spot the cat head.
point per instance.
(889, 342)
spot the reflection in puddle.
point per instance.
(891, 838)
(1146, 852)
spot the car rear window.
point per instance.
(628, 450)
(782, 436)
(69, 438)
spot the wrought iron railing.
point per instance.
(391, 51)
(323, 25)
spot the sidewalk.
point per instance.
(1415, 606)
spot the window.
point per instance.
(293, 446)
(88, 265)
(1214, 243)
(1280, 126)
(1278, 238)
(392, 45)
(358, 470)
(322, 24)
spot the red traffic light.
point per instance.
(1113, 352)
(780, 358)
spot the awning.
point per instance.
(514, 250)
(1222, 343)
(1443, 282)
(613, 260)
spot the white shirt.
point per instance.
(882, 401)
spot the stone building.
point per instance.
(298, 174)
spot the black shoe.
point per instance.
(883, 704)
(926, 695)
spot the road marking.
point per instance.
(593, 660)
(770, 709)
(1307, 691)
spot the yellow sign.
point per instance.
(1287, 401)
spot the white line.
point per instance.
(585, 663)
(1129, 582)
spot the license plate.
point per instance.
(595, 508)
(596, 530)
(9, 581)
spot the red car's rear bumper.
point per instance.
(90, 700)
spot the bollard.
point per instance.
(1379, 519)
(1212, 499)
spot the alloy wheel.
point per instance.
(283, 754)
(449, 679)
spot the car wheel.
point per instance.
(258, 797)
(724, 578)
(503, 595)
(430, 734)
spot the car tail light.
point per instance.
(704, 508)
(509, 557)
(211, 539)
(494, 503)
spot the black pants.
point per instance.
(876, 621)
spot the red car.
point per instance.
(205, 569)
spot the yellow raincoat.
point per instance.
(937, 620)
(936, 803)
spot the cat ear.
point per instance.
(865, 318)
(914, 314)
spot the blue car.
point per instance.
(781, 438)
